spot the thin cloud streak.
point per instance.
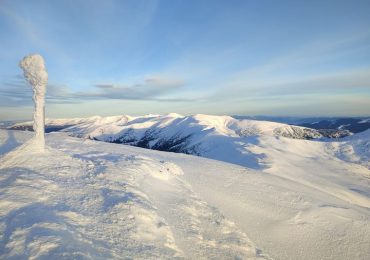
(152, 88)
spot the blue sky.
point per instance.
(286, 58)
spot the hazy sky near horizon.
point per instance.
(309, 58)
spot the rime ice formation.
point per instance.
(36, 75)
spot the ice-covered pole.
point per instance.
(36, 75)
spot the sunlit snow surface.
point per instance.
(84, 199)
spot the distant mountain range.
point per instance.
(354, 125)
(6, 124)
(291, 120)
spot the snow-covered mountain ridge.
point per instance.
(97, 126)
(217, 137)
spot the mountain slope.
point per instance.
(355, 149)
(217, 137)
(88, 199)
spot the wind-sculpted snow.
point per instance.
(79, 200)
(84, 199)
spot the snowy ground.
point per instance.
(86, 199)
